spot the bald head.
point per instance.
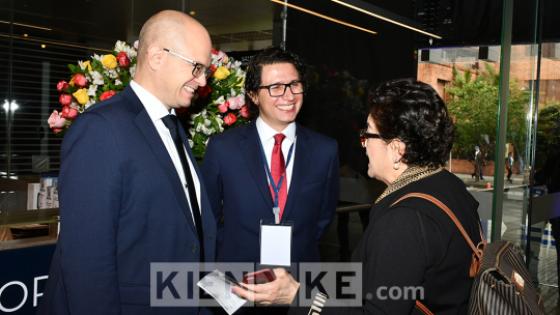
(169, 27)
(172, 45)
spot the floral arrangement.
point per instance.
(92, 81)
(220, 104)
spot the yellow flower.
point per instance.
(109, 61)
(221, 73)
(87, 65)
(82, 96)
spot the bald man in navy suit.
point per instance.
(130, 191)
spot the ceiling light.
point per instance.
(27, 25)
(328, 18)
(10, 106)
(192, 13)
(43, 46)
(381, 17)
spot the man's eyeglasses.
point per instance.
(364, 135)
(198, 68)
(279, 89)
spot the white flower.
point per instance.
(191, 143)
(120, 46)
(207, 122)
(118, 82)
(219, 100)
(97, 78)
(207, 131)
(132, 70)
(92, 90)
(97, 57)
(82, 65)
(112, 74)
(131, 52)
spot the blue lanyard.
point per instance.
(276, 187)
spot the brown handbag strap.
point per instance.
(423, 308)
(451, 215)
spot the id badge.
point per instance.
(276, 244)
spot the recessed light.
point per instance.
(43, 46)
(192, 13)
(381, 17)
(322, 16)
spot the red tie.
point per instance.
(278, 168)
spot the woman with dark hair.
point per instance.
(410, 246)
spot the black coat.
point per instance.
(414, 244)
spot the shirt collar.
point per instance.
(155, 108)
(266, 132)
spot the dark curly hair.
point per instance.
(413, 112)
(267, 57)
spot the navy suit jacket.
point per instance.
(237, 187)
(122, 208)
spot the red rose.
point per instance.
(213, 68)
(244, 111)
(69, 112)
(230, 119)
(80, 80)
(123, 60)
(65, 99)
(62, 86)
(107, 95)
(204, 91)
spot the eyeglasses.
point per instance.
(279, 89)
(198, 68)
(364, 135)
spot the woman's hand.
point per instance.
(281, 291)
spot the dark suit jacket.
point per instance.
(237, 187)
(122, 208)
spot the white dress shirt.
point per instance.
(156, 110)
(266, 135)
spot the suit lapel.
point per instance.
(148, 130)
(250, 146)
(301, 164)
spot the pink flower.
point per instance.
(62, 86)
(222, 108)
(69, 112)
(79, 79)
(236, 102)
(244, 111)
(123, 60)
(107, 95)
(65, 99)
(230, 119)
(219, 54)
(56, 122)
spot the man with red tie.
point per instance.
(273, 170)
